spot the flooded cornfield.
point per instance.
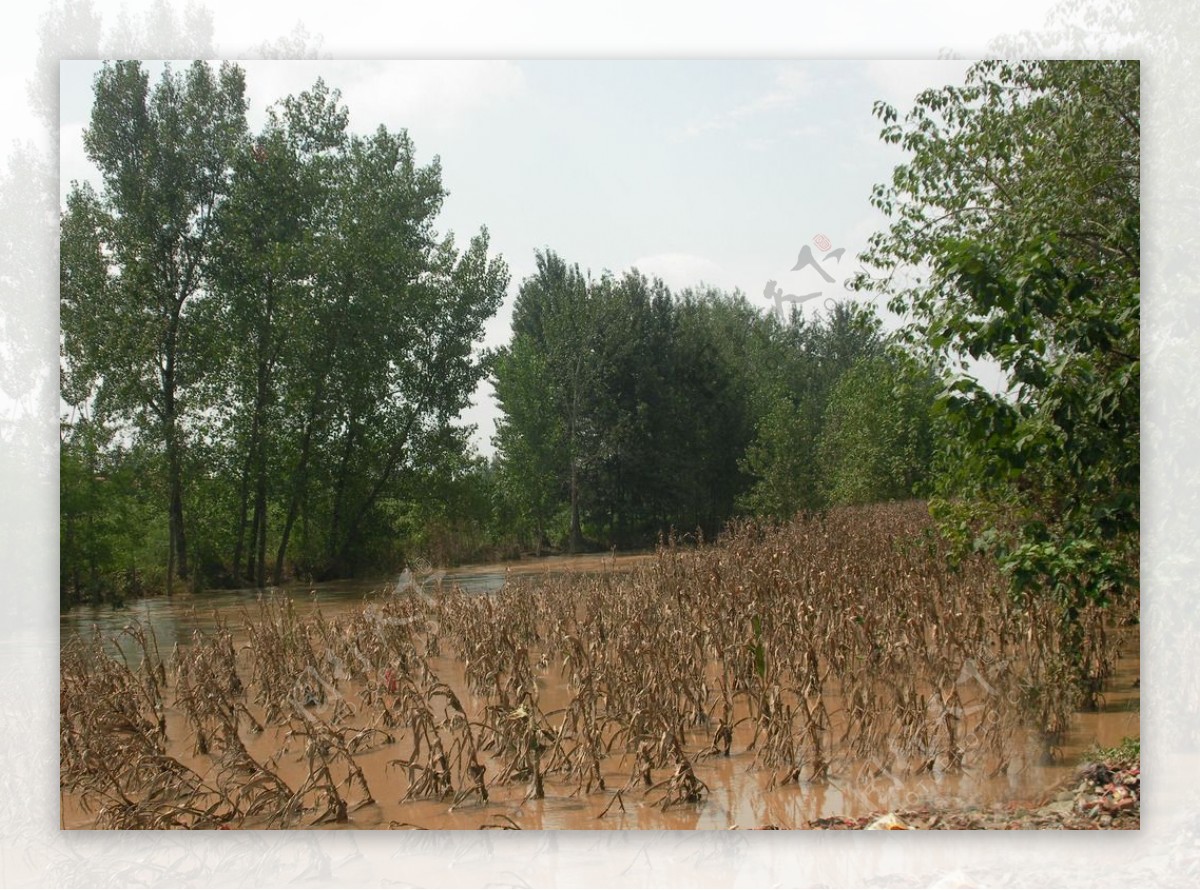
(785, 674)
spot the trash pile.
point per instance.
(1110, 794)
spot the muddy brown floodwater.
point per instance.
(741, 794)
(174, 618)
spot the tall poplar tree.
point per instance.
(164, 154)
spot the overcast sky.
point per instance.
(715, 172)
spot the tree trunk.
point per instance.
(575, 538)
(260, 516)
(178, 538)
(177, 535)
(262, 396)
(394, 455)
(339, 498)
(300, 481)
(281, 553)
(243, 509)
(252, 556)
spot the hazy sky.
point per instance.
(781, 220)
(691, 171)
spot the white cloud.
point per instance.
(760, 143)
(417, 95)
(791, 83)
(432, 93)
(413, 94)
(680, 270)
(899, 81)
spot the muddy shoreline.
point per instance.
(1099, 796)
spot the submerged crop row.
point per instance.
(837, 645)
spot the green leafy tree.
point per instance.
(877, 438)
(625, 410)
(448, 514)
(529, 441)
(391, 352)
(352, 326)
(265, 266)
(1015, 241)
(550, 373)
(411, 308)
(267, 327)
(628, 474)
(782, 460)
(810, 358)
(720, 349)
(164, 158)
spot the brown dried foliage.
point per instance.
(835, 643)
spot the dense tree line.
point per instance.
(265, 341)
(631, 413)
(266, 345)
